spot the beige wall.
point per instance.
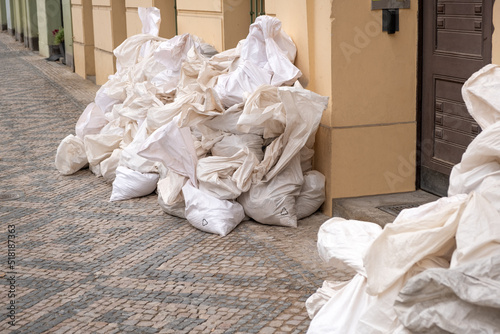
(83, 37)
(167, 12)
(366, 143)
(222, 23)
(109, 32)
(496, 34)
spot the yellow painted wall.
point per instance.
(167, 12)
(109, 32)
(496, 34)
(83, 37)
(222, 23)
(366, 143)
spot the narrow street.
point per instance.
(83, 264)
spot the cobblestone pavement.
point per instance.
(85, 265)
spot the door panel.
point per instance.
(456, 42)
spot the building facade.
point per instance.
(395, 121)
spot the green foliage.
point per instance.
(58, 36)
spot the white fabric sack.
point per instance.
(91, 121)
(343, 243)
(340, 315)
(174, 147)
(108, 166)
(227, 122)
(233, 86)
(480, 93)
(100, 146)
(480, 160)
(70, 155)
(273, 202)
(464, 299)
(303, 115)
(264, 113)
(171, 53)
(230, 145)
(421, 232)
(312, 194)
(210, 214)
(270, 48)
(129, 184)
(129, 157)
(318, 299)
(170, 194)
(226, 177)
(150, 19)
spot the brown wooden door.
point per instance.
(456, 42)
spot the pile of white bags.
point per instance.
(218, 137)
(436, 269)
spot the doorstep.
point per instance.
(379, 209)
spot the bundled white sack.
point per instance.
(170, 195)
(269, 47)
(129, 184)
(267, 56)
(70, 155)
(100, 146)
(480, 93)
(91, 121)
(273, 202)
(466, 297)
(226, 177)
(174, 147)
(129, 157)
(230, 145)
(303, 110)
(427, 230)
(108, 166)
(312, 194)
(342, 243)
(211, 214)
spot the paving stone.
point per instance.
(87, 265)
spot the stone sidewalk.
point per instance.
(85, 265)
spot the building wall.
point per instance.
(83, 37)
(366, 143)
(109, 32)
(222, 23)
(32, 24)
(496, 34)
(68, 33)
(3, 15)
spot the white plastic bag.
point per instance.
(312, 194)
(108, 166)
(100, 146)
(174, 147)
(273, 202)
(129, 184)
(129, 157)
(269, 47)
(210, 214)
(70, 156)
(170, 194)
(91, 121)
(230, 145)
(342, 243)
(480, 93)
(226, 177)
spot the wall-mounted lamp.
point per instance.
(390, 13)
